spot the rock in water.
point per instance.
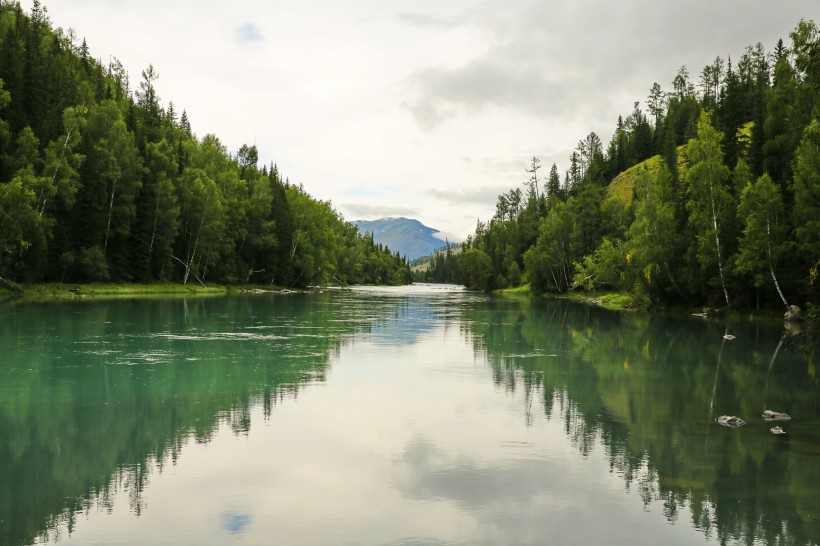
(777, 431)
(770, 415)
(793, 327)
(730, 421)
(728, 337)
(793, 313)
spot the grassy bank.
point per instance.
(517, 291)
(71, 291)
(618, 301)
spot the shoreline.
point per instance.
(611, 300)
(98, 291)
(625, 302)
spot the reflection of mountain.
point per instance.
(92, 393)
(643, 387)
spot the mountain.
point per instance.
(410, 237)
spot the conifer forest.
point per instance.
(101, 182)
(709, 197)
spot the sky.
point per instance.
(424, 109)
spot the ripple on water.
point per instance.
(223, 336)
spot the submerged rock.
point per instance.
(770, 415)
(777, 431)
(730, 421)
(793, 327)
(793, 313)
(729, 337)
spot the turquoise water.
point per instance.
(415, 415)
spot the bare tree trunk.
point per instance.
(187, 271)
(251, 272)
(153, 230)
(196, 243)
(672, 279)
(771, 267)
(57, 168)
(717, 239)
(110, 211)
(552, 272)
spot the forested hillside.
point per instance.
(101, 181)
(710, 197)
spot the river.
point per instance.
(399, 416)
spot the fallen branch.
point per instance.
(189, 271)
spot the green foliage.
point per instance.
(806, 190)
(478, 270)
(98, 183)
(763, 241)
(548, 262)
(604, 268)
(653, 239)
(709, 201)
(668, 220)
(22, 229)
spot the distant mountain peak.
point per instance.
(407, 235)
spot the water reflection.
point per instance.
(398, 417)
(648, 388)
(95, 397)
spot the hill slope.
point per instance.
(410, 237)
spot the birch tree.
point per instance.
(653, 236)
(709, 198)
(764, 232)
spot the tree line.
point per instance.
(711, 196)
(101, 182)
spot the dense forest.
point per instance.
(99, 181)
(710, 197)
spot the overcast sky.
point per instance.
(425, 109)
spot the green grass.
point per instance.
(621, 186)
(616, 301)
(68, 291)
(517, 291)
(77, 291)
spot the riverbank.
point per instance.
(621, 301)
(616, 301)
(73, 291)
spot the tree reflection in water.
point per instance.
(638, 385)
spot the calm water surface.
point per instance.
(417, 415)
